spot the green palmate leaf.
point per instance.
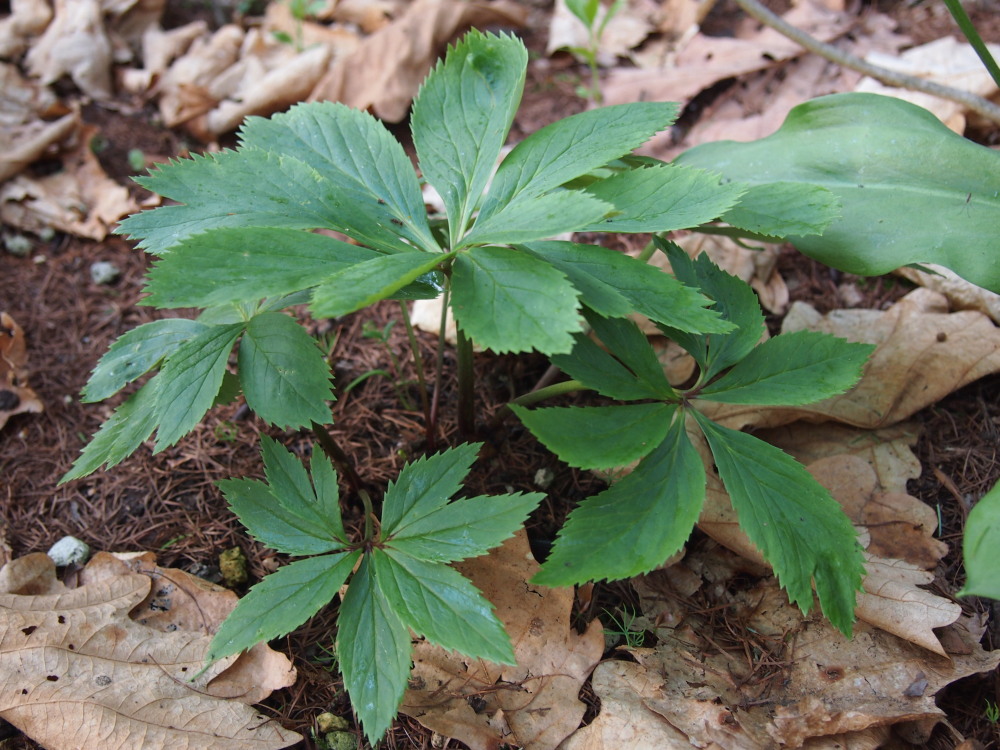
(274, 191)
(425, 485)
(734, 300)
(780, 209)
(281, 602)
(801, 530)
(276, 525)
(573, 146)
(979, 547)
(373, 648)
(465, 528)
(246, 264)
(135, 353)
(359, 158)
(508, 300)
(533, 218)
(285, 378)
(461, 117)
(192, 377)
(598, 437)
(635, 524)
(366, 283)
(125, 430)
(794, 368)
(614, 285)
(911, 191)
(662, 199)
(437, 602)
(597, 369)
(630, 345)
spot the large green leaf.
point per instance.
(136, 352)
(461, 117)
(572, 146)
(537, 217)
(425, 485)
(285, 378)
(663, 198)
(979, 547)
(801, 530)
(247, 188)
(635, 524)
(794, 368)
(246, 264)
(192, 377)
(281, 602)
(359, 158)
(598, 437)
(465, 528)
(508, 300)
(911, 191)
(365, 283)
(373, 647)
(437, 602)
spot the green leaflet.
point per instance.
(246, 265)
(510, 301)
(192, 377)
(461, 117)
(780, 209)
(638, 522)
(368, 282)
(373, 648)
(135, 353)
(596, 369)
(792, 519)
(599, 437)
(982, 537)
(631, 346)
(662, 199)
(571, 147)
(281, 602)
(437, 602)
(464, 528)
(911, 191)
(285, 378)
(791, 369)
(356, 155)
(533, 218)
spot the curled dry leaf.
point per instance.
(75, 654)
(15, 396)
(76, 44)
(533, 704)
(27, 19)
(961, 294)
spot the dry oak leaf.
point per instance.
(923, 353)
(533, 704)
(76, 671)
(15, 396)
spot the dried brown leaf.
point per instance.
(15, 396)
(533, 704)
(76, 44)
(79, 672)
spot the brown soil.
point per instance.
(167, 503)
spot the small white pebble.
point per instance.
(69, 550)
(543, 478)
(103, 272)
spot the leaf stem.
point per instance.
(556, 389)
(438, 369)
(969, 29)
(366, 500)
(337, 455)
(418, 361)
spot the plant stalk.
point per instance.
(556, 389)
(466, 386)
(418, 361)
(969, 29)
(438, 369)
(337, 455)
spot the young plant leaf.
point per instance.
(281, 602)
(380, 200)
(425, 485)
(122, 433)
(538, 217)
(982, 537)
(662, 199)
(373, 648)
(285, 378)
(438, 602)
(465, 528)
(801, 530)
(791, 369)
(638, 522)
(571, 147)
(508, 300)
(365, 283)
(598, 437)
(461, 117)
(598, 370)
(631, 346)
(246, 264)
(781, 209)
(135, 353)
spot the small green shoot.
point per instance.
(992, 711)
(595, 17)
(622, 628)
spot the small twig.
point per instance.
(889, 77)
